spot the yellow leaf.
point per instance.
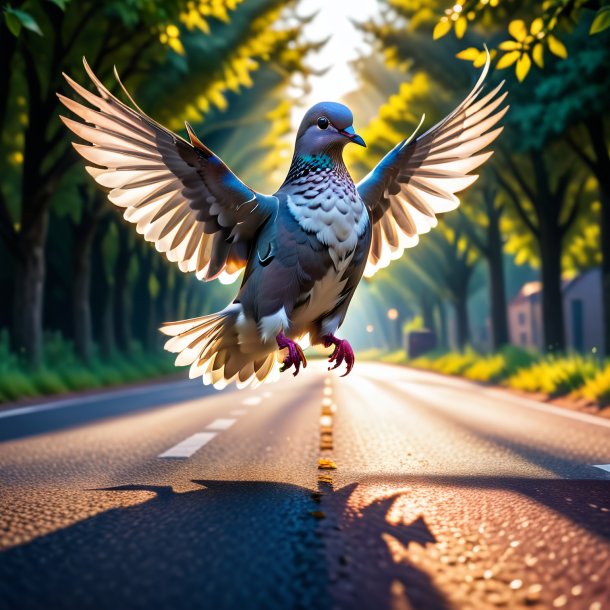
(441, 28)
(508, 59)
(460, 27)
(509, 45)
(523, 66)
(517, 29)
(469, 54)
(176, 45)
(481, 59)
(557, 47)
(538, 55)
(172, 31)
(536, 26)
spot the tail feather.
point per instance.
(211, 346)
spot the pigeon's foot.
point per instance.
(343, 352)
(295, 354)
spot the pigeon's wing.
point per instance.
(179, 194)
(418, 178)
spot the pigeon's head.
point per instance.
(326, 126)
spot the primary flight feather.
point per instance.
(305, 248)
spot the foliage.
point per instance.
(450, 363)
(495, 367)
(532, 27)
(597, 388)
(554, 376)
(63, 372)
(524, 370)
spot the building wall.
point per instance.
(524, 320)
(584, 293)
(582, 303)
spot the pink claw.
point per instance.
(295, 354)
(343, 352)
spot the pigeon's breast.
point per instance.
(329, 207)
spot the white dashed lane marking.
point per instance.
(221, 424)
(252, 400)
(193, 443)
(188, 446)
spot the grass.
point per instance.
(63, 372)
(523, 370)
(555, 376)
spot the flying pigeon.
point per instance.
(304, 249)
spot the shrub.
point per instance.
(598, 387)
(494, 368)
(554, 376)
(63, 371)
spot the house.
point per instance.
(525, 316)
(582, 309)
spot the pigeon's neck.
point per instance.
(327, 164)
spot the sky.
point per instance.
(333, 20)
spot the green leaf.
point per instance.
(12, 23)
(25, 19)
(601, 21)
(60, 3)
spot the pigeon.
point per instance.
(302, 250)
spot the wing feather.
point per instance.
(418, 179)
(179, 194)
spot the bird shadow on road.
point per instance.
(226, 545)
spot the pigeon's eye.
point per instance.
(323, 122)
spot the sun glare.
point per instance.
(333, 21)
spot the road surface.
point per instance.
(446, 495)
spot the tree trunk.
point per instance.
(122, 296)
(462, 323)
(28, 298)
(552, 298)
(601, 168)
(81, 292)
(605, 272)
(497, 286)
(427, 311)
(108, 327)
(443, 336)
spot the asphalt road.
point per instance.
(446, 495)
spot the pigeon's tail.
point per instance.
(211, 346)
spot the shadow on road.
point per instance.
(229, 545)
(256, 545)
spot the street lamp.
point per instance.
(392, 314)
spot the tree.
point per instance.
(50, 36)
(482, 225)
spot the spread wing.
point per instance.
(180, 195)
(418, 178)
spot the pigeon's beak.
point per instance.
(349, 132)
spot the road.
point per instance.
(446, 495)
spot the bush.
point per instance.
(554, 376)
(499, 366)
(63, 371)
(597, 388)
(449, 363)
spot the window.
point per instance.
(521, 318)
